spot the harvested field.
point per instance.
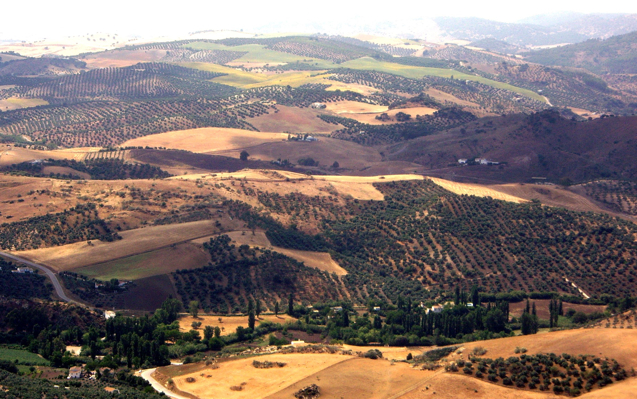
(367, 113)
(542, 308)
(230, 323)
(133, 242)
(207, 140)
(162, 261)
(259, 383)
(552, 195)
(452, 386)
(17, 103)
(181, 162)
(294, 120)
(326, 151)
(64, 170)
(607, 342)
(475, 189)
(362, 378)
(122, 58)
(12, 155)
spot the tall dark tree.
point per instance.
(291, 304)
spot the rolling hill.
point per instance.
(617, 55)
(543, 145)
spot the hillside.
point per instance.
(617, 55)
(542, 145)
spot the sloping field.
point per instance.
(319, 260)
(161, 261)
(13, 155)
(208, 139)
(256, 383)
(362, 378)
(367, 113)
(294, 120)
(229, 324)
(17, 103)
(475, 189)
(133, 242)
(608, 342)
(326, 151)
(414, 72)
(542, 308)
(551, 195)
(122, 58)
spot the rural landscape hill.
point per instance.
(249, 215)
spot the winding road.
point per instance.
(54, 279)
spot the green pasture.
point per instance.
(24, 357)
(414, 72)
(129, 268)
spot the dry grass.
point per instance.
(230, 323)
(134, 242)
(292, 119)
(122, 58)
(18, 103)
(366, 113)
(259, 383)
(475, 189)
(207, 140)
(614, 343)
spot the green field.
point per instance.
(414, 72)
(259, 54)
(24, 357)
(129, 268)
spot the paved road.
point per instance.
(54, 279)
(147, 375)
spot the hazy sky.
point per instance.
(50, 18)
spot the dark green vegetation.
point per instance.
(543, 144)
(563, 374)
(22, 285)
(98, 169)
(75, 224)
(617, 54)
(236, 272)
(15, 386)
(423, 240)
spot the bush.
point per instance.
(373, 354)
(478, 351)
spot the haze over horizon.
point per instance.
(72, 17)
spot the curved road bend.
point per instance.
(54, 279)
(147, 375)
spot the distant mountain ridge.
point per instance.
(533, 32)
(617, 54)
